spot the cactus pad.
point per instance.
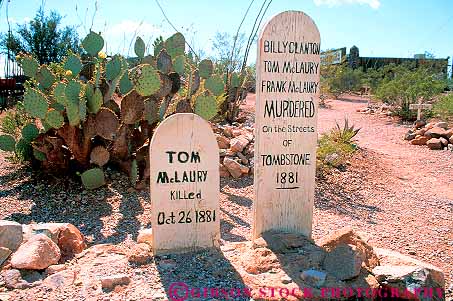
(24, 149)
(30, 132)
(106, 124)
(93, 178)
(206, 106)
(39, 155)
(59, 93)
(163, 62)
(7, 143)
(183, 106)
(54, 119)
(146, 80)
(99, 156)
(125, 83)
(94, 99)
(45, 77)
(29, 65)
(178, 64)
(175, 45)
(134, 172)
(194, 82)
(165, 86)
(215, 85)
(113, 68)
(72, 111)
(73, 64)
(176, 82)
(93, 43)
(206, 68)
(139, 47)
(151, 110)
(82, 109)
(132, 107)
(35, 103)
(72, 91)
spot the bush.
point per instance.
(444, 107)
(14, 120)
(336, 147)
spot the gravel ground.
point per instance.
(402, 195)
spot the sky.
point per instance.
(383, 28)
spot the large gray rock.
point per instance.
(344, 262)
(347, 236)
(10, 234)
(442, 125)
(403, 273)
(37, 253)
(4, 254)
(436, 133)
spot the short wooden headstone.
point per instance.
(184, 176)
(419, 107)
(288, 71)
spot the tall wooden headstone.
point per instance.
(184, 176)
(288, 70)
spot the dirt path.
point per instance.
(401, 195)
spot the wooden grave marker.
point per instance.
(184, 176)
(288, 71)
(419, 107)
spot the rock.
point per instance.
(10, 235)
(37, 253)
(314, 277)
(238, 144)
(420, 140)
(32, 276)
(53, 269)
(429, 125)
(451, 139)
(13, 279)
(436, 133)
(145, 236)
(139, 253)
(434, 143)
(228, 131)
(443, 141)
(409, 136)
(346, 236)
(223, 171)
(449, 133)
(245, 169)
(344, 261)
(110, 282)
(450, 147)
(260, 260)
(70, 240)
(241, 156)
(442, 125)
(330, 158)
(233, 167)
(52, 230)
(412, 279)
(419, 123)
(236, 132)
(61, 279)
(4, 254)
(223, 142)
(420, 132)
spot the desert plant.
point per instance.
(444, 107)
(336, 146)
(81, 123)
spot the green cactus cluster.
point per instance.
(108, 114)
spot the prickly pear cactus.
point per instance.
(93, 178)
(35, 103)
(102, 109)
(206, 106)
(7, 143)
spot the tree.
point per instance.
(223, 47)
(42, 37)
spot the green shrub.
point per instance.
(444, 107)
(14, 120)
(336, 147)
